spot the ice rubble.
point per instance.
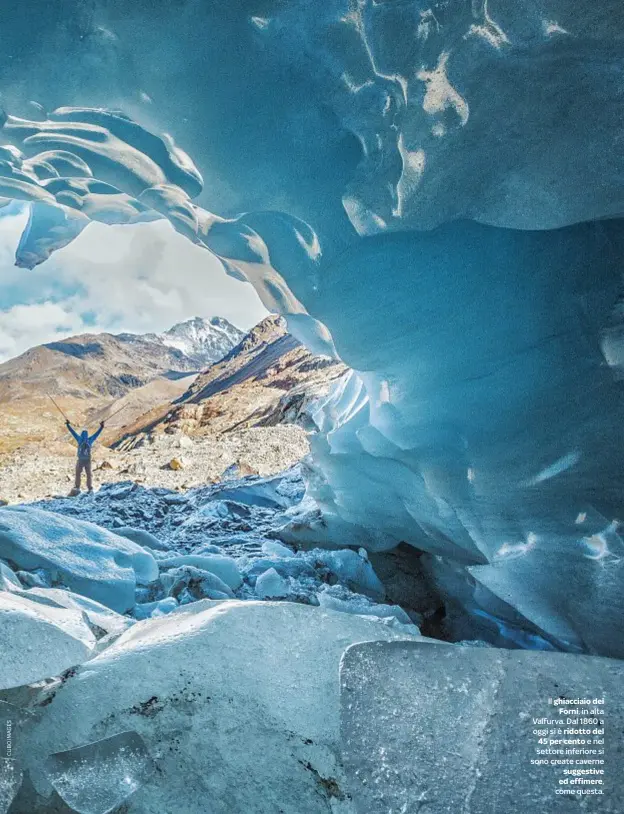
(223, 715)
(481, 418)
(270, 585)
(142, 538)
(222, 567)
(188, 583)
(81, 556)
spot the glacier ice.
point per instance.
(270, 585)
(216, 695)
(194, 583)
(103, 619)
(39, 640)
(96, 778)
(142, 538)
(159, 608)
(81, 556)
(271, 548)
(352, 569)
(338, 599)
(225, 568)
(8, 578)
(470, 716)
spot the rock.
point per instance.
(105, 465)
(224, 567)
(3, 502)
(184, 442)
(270, 585)
(119, 491)
(246, 469)
(142, 538)
(87, 559)
(175, 464)
(260, 677)
(197, 583)
(39, 641)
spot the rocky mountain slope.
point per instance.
(268, 379)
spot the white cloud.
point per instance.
(25, 325)
(115, 278)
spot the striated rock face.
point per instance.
(363, 141)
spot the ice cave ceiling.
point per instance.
(432, 192)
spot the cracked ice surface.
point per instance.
(468, 715)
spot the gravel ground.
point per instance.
(35, 473)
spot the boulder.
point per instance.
(175, 464)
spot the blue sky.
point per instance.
(114, 278)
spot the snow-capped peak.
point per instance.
(206, 340)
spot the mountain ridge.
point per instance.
(105, 364)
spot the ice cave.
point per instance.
(429, 193)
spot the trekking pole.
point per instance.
(108, 418)
(58, 408)
(112, 415)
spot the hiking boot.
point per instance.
(74, 492)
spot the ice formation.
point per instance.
(81, 556)
(98, 777)
(38, 640)
(242, 713)
(442, 213)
